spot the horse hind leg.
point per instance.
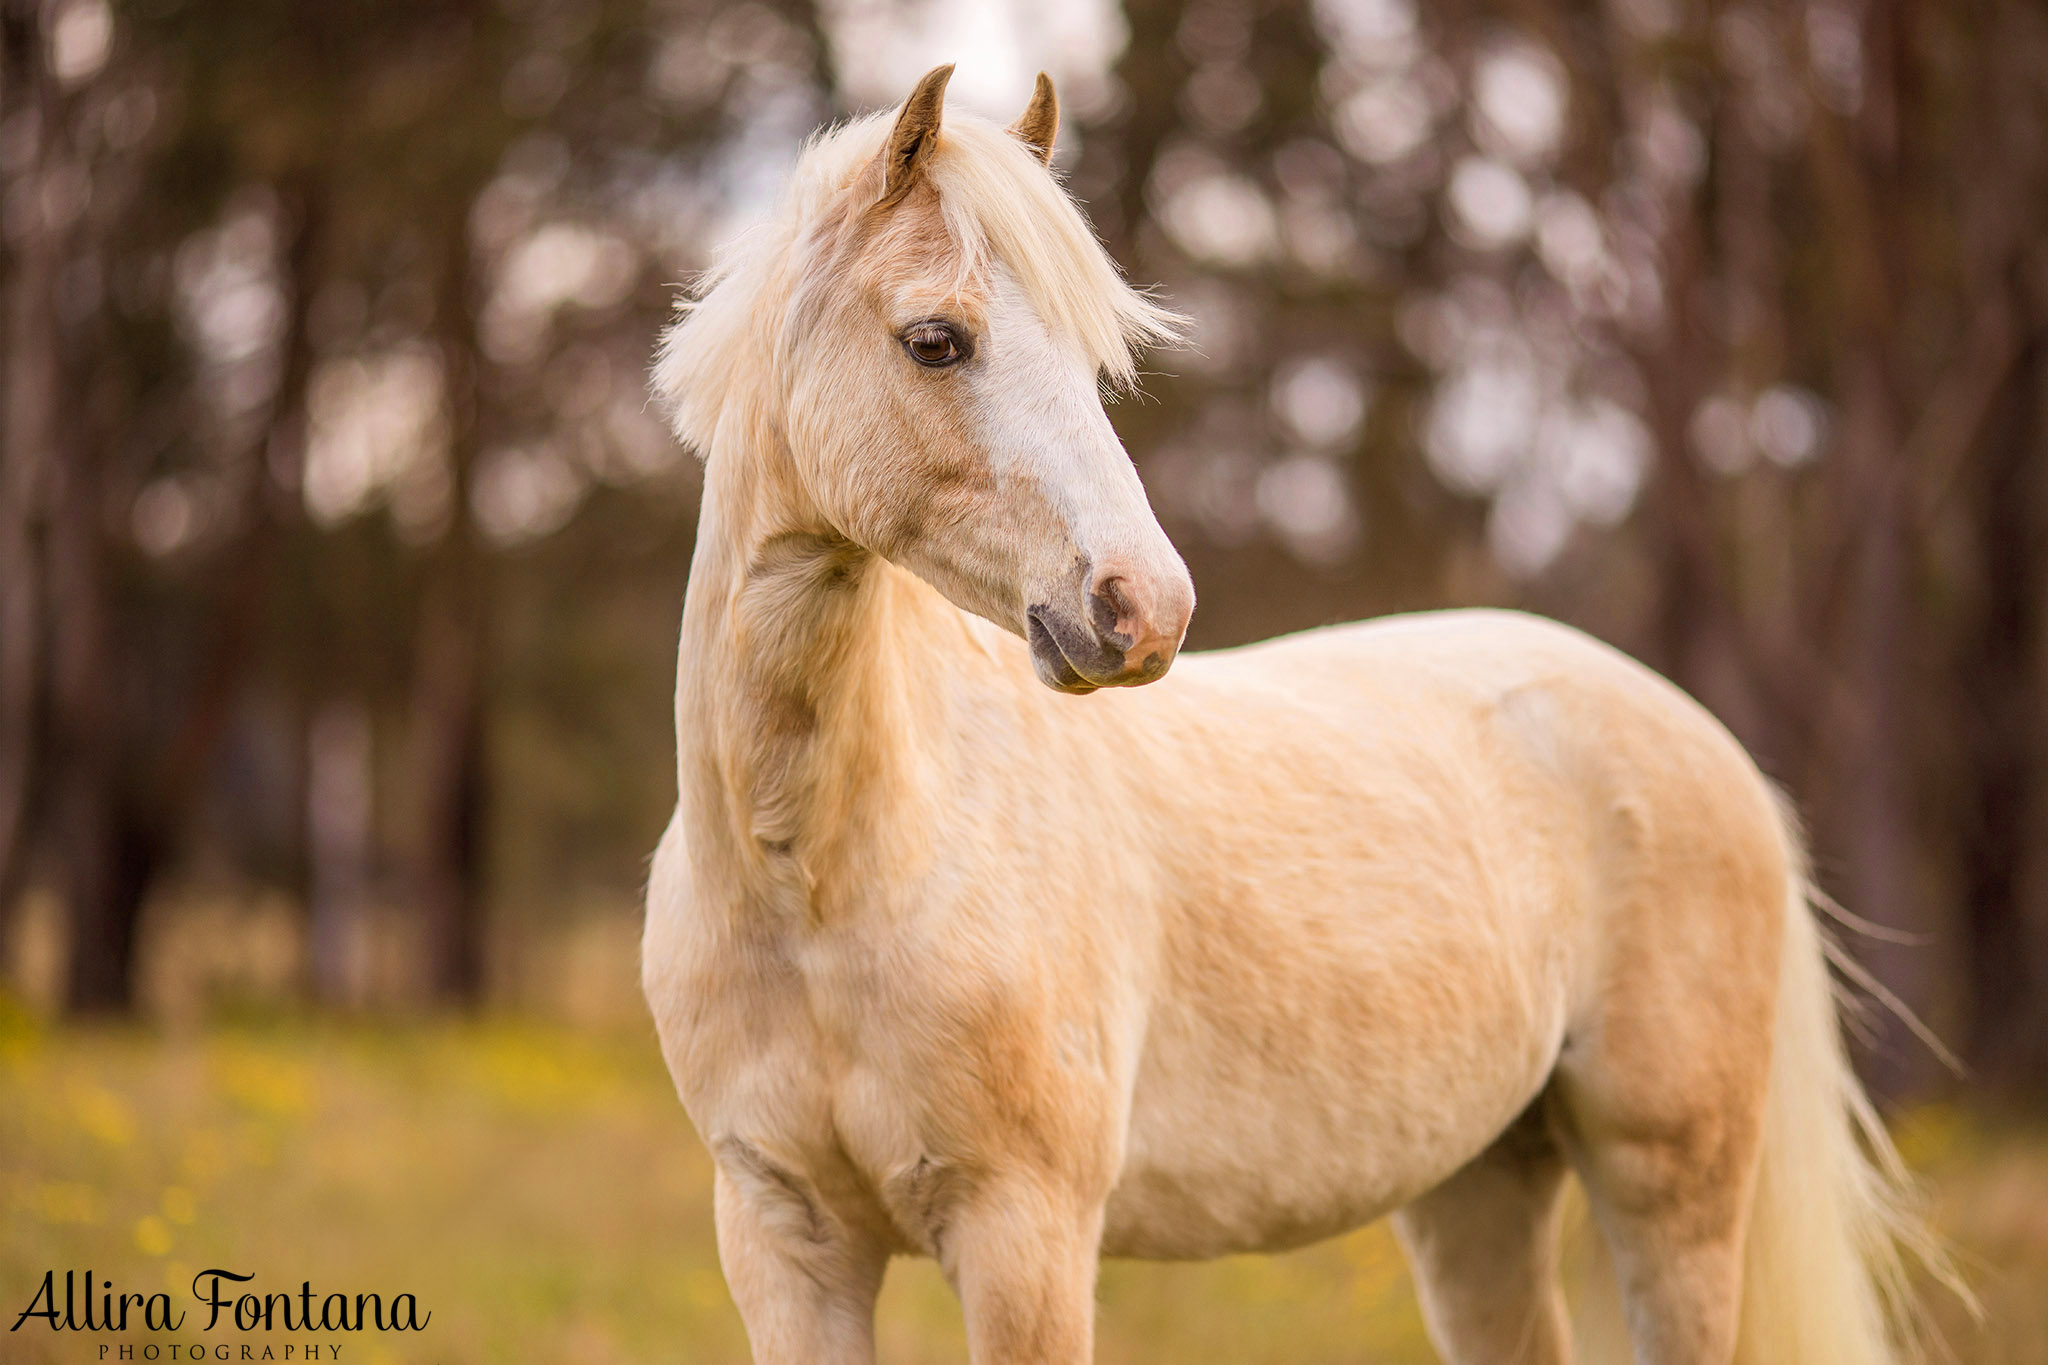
(1484, 1249)
(1664, 1125)
(1672, 1207)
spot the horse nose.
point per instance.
(1142, 615)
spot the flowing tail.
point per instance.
(1835, 1221)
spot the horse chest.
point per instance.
(824, 1048)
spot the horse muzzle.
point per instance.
(1127, 632)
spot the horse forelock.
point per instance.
(991, 201)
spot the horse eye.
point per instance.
(933, 345)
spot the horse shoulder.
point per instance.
(729, 1008)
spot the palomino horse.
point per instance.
(1415, 916)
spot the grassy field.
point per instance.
(541, 1193)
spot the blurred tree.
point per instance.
(301, 265)
(28, 106)
(447, 732)
(63, 416)
(339, 551)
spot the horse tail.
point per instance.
(1835, 1222)
(1835, 1219)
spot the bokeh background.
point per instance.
(341, 557)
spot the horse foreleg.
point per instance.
(805, 1286)
(1484, 1247)
(1023, 1263)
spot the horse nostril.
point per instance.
(1137, 619)
(1112, 613)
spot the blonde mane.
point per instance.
(999, 204)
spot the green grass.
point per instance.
(541, 1192)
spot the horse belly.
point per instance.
(1279, 1111)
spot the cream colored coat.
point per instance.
(1414, 915)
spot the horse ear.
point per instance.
(915, 134)
(1039, 124)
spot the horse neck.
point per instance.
(802, 692)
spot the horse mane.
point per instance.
(998, 204)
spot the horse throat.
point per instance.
(799, 715)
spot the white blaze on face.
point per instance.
(1102, 595)
(1043, 428)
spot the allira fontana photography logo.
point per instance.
(82, 1302)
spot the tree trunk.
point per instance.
(26, 445)
(340, 818)
(2005, 875)
(448, 723)
(271, 513)
(1874, 826)
(104, 850)
(108, 860)
(61, 604)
